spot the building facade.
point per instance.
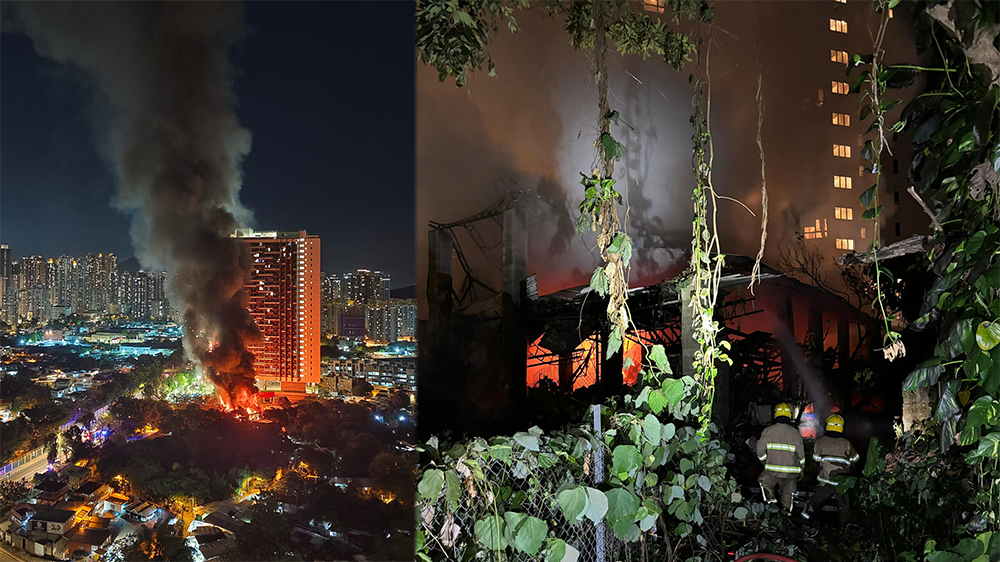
(284, 291)
(398, 373)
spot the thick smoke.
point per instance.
(166, 119)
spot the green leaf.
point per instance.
(668, 431)
(573, 503)
(740, 513)
(657, 401)
(704, 483)
(614, 341)
(626, 460)
(621, 244)
(687, 465)
(612, 148)
(968, 548)
(599, 282)
(944, 556)
(886, 106)
(673, 389)
(643, 397)
(430, 485)
(501, 452)
(868, 150)
(984, 411)
(989, 447)
(969, 436)
(975, 242)
(871, 214)
(947, 405)
(651, 428)
(622, 508)
(651, 480)
(529, 532)
(464, 17)
(453, 491)
(988, 335)
(867, 197)
(527, 440)
(866, 110)
(558, 551)
(659, 358)
(925, 375)
(491, 532)
(597, 505)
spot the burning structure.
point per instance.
(163, 83)
(485, 352)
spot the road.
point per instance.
(28, 469)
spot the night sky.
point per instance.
(326, 88)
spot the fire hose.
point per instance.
(766, 556)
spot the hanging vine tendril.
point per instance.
(755, 274)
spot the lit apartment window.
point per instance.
(655, 6)
(815, 231)
(840, 26)
(842, 182)
(845, 243)
(842, 119)
(838, 56)
(841, 151)
(861, 170)
(864, 232)
(843, 213)
(842, 88)
(841, 1)
(890, 14)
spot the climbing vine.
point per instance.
(877, 77)
(955, 128)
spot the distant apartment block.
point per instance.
(284, 290)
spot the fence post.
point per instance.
(599, 477)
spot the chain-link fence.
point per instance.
(524, 485)
(448, 530)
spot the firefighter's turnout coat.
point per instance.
(834, 455)
(781, 450)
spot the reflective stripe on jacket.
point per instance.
(780, 449)
(834, 455)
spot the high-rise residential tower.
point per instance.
(284, 290)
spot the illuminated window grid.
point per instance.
(654, 6)
(841, 119)
(839, 26)
(842, 88)
(815, 231)
(842, 182)
(843, 213)
(845, 244)
(838, 56)
(842, 151)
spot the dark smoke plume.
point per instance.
(164, 92)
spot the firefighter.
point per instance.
(780, 449)
(835, 455)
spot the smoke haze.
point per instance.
(164, 115)
(533, 127)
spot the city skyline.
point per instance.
(292, 154)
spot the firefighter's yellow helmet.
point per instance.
(835, 423)
(783, 410)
